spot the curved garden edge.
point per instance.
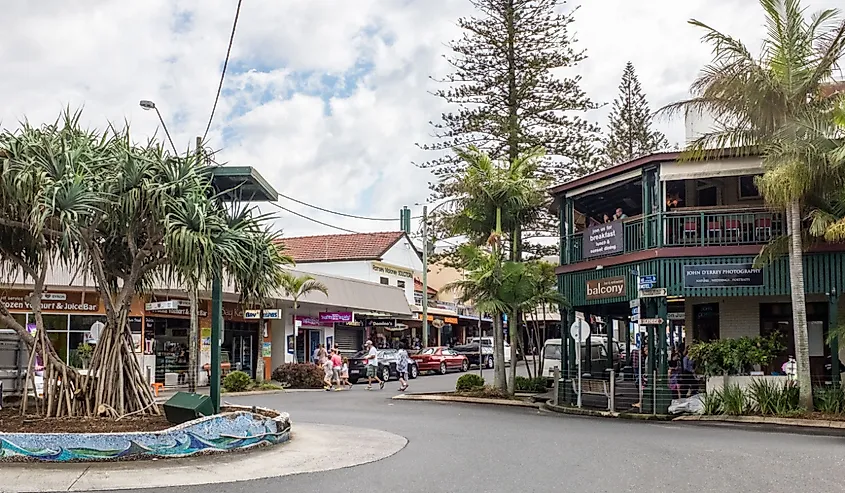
(238, 428)
(440, 397)
(818, 424)
(603, 414)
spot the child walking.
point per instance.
(344, 373)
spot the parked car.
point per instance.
(487, 342)
(387, 359)
(471, 351)
(440, 359)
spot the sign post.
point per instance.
(580, 331)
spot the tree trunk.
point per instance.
(525, 360)
(513, 332)
(193, 338)
(500, 380)
(799, 307)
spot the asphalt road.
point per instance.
(461, 448)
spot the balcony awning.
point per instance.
(693, 170)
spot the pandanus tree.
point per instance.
(758, 103)
(492, 197)
(98, 205)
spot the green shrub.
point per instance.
(266, 386)
(299, 376)
(525, 384)
(829, 399)
(765, 395)
(713, 403)
(787, 401)
(236, 381)
(734, 401)
(736, 356)
(470, 381)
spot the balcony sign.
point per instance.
(604, 239)
(610, 287)
(722, 275)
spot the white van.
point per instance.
(552, 356)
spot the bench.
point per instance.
(593, 386)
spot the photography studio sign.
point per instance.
(722, 275)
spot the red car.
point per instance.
(440, 359)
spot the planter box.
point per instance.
(743, 381)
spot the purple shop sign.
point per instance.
(312, 321)
(335, 317)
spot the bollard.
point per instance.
(556, 385)
(149, 375)
(611, 401)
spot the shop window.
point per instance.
(747, 187)
(400, 284)
(19, 317)
(706, 322)
(384, 281)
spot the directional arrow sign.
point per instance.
(651, 321)
(651, 278)
(652, 293)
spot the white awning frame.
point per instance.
(694, 170)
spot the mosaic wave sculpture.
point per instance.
(237, 429)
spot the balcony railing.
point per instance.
(704, 228)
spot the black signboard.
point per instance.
(604, 239)
(721, 275)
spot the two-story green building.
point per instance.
(681, 238)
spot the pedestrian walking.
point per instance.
(372, 366)
(337, 363)
(402, 367)
(344, 373)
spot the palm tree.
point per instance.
(544, 293)
(490, 198)
(296, 287)
(756, 102)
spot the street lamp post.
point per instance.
(149, 105)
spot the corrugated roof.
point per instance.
(335, 248)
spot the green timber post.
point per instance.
(647, 194)
(572, 365)
(567, 228)
(216, 330)
(832, 323)
(663, 395)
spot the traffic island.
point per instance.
(465, 399)
(95, 440)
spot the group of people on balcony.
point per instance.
(619, 214)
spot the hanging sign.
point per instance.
(271, 314)
(162, 305)
(604, 239)
(252, 314)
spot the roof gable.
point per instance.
(341, 247)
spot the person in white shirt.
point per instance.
(372, 366)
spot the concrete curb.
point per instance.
(312, 448)
(464, 400)
(604, 414)
(766, 420)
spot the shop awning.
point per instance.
(436, 311)
(357, 295)
(692, 170)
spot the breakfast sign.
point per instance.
(604, 239)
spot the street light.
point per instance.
(149, 105)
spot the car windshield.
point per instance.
(552, 351)
(484, 342)
(360, 354)
(429, 350)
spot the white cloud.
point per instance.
(326, 99)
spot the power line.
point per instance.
(352, 216)
(223, 74)
(312, 219)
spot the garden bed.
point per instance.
(12, 422)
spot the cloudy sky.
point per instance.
(326, 98)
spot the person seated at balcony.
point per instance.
(606, 219)
(619, 214)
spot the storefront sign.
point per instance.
(450, 320)
(252, 314)
(611, 287)
(604, 239)
(336, 317)
(392, 270)
(676, 316)
(722, 275)
(58, 302)
(271, 314)
(162, 305)
(308, 321)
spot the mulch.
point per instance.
(12, 422)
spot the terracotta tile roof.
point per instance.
(335, 248)
(418, 287)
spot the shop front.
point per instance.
(310, 334)
(241, 340)
(166, 337)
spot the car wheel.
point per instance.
(413, 371)
(443, 368)
(385, 374)
(353, 381)
(465, 365)
(489, 362)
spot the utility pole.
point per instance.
(425, 277)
